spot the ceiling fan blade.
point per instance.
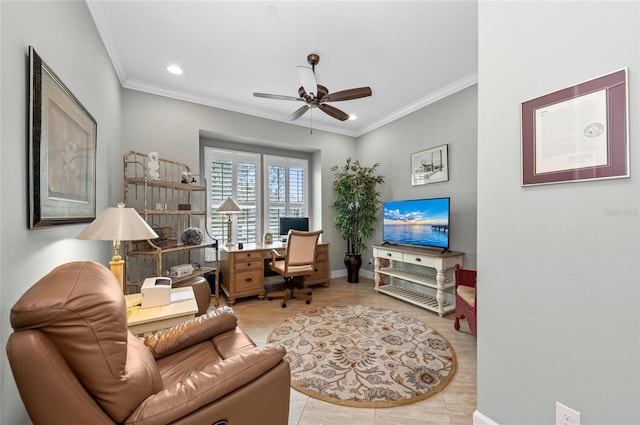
(308, 80)
(276, 96)
(298, 113)
(356, 93)
(334, 112)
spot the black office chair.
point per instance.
(298, 261)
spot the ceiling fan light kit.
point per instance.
(315, 95)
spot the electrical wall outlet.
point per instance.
(566, 415)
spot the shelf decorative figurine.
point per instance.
(153, 165)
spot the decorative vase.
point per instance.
(353, 262)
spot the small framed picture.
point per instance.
(268, 238)
(430, 166)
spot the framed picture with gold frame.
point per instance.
(62, 151)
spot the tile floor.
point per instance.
(452, 406)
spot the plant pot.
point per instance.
(353, 262)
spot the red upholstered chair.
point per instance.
(466, 298)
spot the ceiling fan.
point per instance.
(315, 95)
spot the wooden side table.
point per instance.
(144, 321)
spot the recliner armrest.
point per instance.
(191, 332)
(206, 386)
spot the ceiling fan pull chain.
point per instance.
(311, 128)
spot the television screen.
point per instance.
(423, 222)
(293, 223)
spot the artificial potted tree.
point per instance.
(357, 202)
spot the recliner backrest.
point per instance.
(80, 307)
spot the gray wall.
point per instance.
(65, 37)
(451, 121)
(558, 264)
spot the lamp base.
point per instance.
(117, 267)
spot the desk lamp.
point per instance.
(229, 206)
(118, 224)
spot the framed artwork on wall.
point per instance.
(430, 166)
(577, 133)
(62, 151)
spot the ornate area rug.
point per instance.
(364, 356)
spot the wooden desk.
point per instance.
(243, 270)
(148, 320)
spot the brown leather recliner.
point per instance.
(75, 361)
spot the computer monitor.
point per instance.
(293, 223)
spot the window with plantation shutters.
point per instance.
(286, 189)
(234, 174)
(281, 181)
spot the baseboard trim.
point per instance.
(480, 419)
(366, 273)
(343, 273)
(338, 273)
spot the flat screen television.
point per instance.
(293, 223)
(423, 222)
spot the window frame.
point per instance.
(263, 161)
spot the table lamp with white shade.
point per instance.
(229, 206)
(118, 224)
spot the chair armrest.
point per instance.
(191, 332)
(275, 255)
(205, 386)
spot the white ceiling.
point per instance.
(411, 53)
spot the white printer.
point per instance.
(156, 291)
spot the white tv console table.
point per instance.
(411, 264)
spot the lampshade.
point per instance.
(229, 206)
(118, 224)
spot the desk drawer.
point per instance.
(248, 264)
(241, 257)
(251, 280)
(322, 254)
(322, 271)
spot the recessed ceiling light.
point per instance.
(174, 69)
(353, 117)
(271, 10)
